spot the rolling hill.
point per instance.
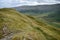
(17, 26)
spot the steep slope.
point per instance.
(17, 26)
(52, 16)
(55, 17)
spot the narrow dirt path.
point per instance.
(9, 37)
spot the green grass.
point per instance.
(29, 28)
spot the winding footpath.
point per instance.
(9, 37)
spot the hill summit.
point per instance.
(17, 26)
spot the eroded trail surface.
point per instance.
(9, 37)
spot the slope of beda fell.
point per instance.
(17, 26)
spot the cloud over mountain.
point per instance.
(13, 3)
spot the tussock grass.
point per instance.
(29, 27)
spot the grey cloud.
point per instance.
(57, 0)
(10, 3)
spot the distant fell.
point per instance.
(38, 9)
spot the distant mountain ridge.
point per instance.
(39, 8)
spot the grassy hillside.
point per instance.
(52, 18)
(24, 27)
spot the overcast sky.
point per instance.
(13, 3)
